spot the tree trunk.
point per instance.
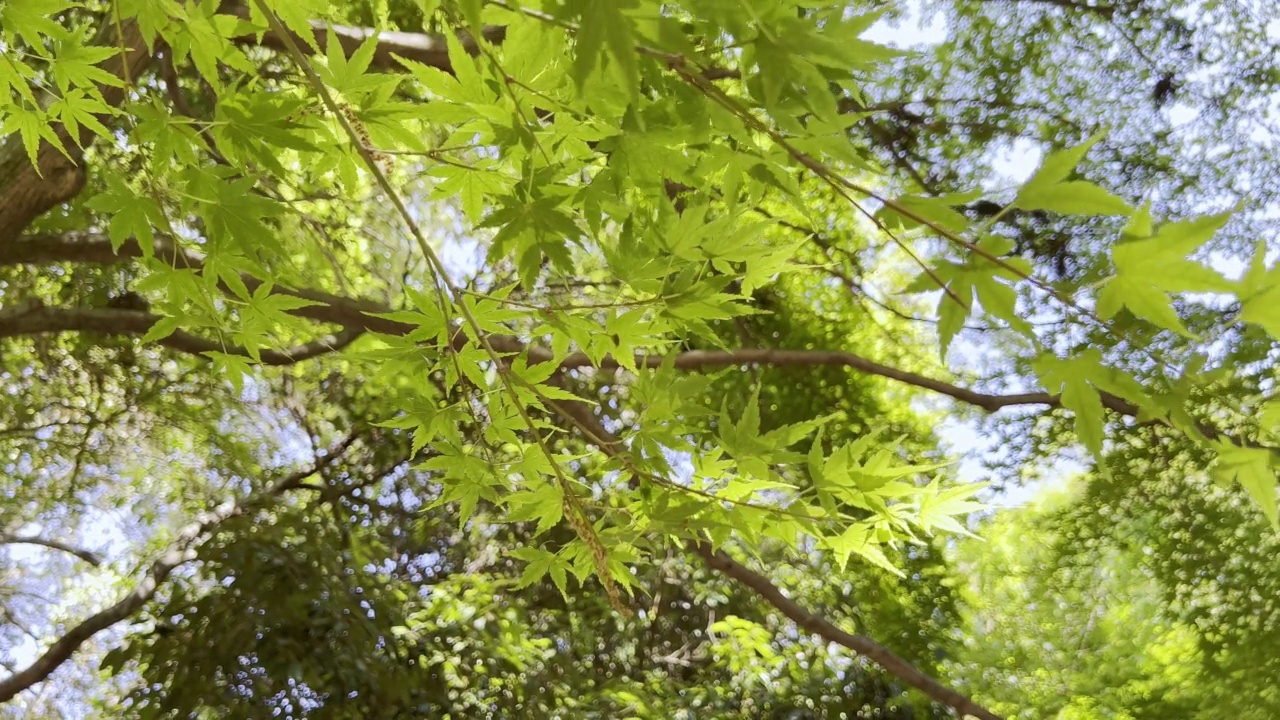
(28, 191)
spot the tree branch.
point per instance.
(820, 626)
(85, 555)
(180, 551)
(357, 315)
(96, 248)
(38, 319)
(28, 191)
(698, 359)
(587, 424)
(1104, 11)
(425, 48)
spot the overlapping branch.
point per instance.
(179, 552)
(86, 555)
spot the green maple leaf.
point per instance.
(17, 76)
(545, 504)
(602, 25)
(234, 367)
(1147, 270)
(1253, 469)
(76, 65)
(32, 20)
(350, 75)
(297, 15)
(859, 540)
(1074, 197)
(75, 109)
(940, 211)
(163, 328)
(133, 216)
(1142, 299)
(940, 507)
(541, 563)
(1070, 379)
(1259, 292)
(1057, 166)
(1049, 189)
(32, 126)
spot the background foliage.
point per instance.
(589, 359)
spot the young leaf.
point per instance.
(1058, 166)
(1072, 198)
(1252, 468)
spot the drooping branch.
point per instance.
(85, 555)
(829, 631)
(179, 552)
(590, 427)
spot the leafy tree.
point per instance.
(1090, 638)
(1189, 138)
(496, 359)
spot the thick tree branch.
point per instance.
(96, 248)
(425, 48)
(820, 626)
(180, 551)
(28, 191)
(356, 315)
(37, 319)
(1104, 11)
(85, 555)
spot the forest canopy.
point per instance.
(633, 359)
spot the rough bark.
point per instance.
(28, 191)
